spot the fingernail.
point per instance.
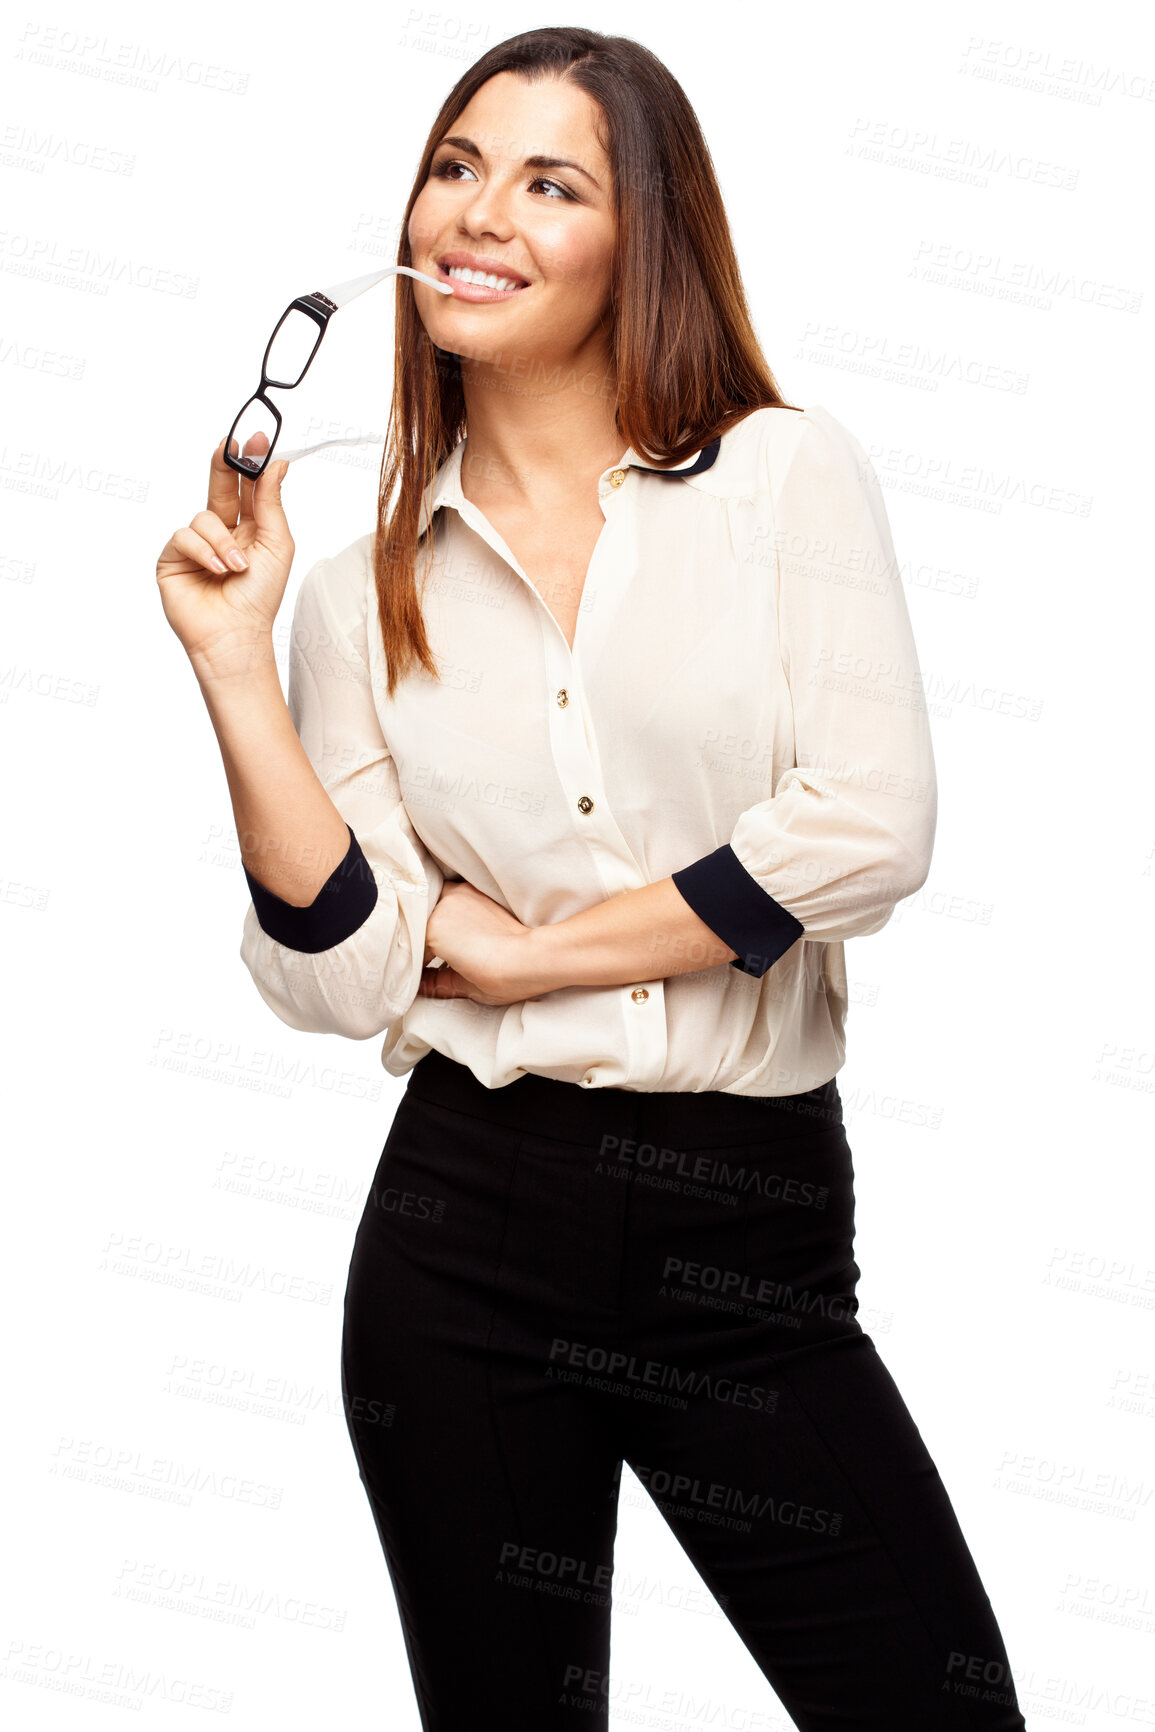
(237, 560)
(216, 564)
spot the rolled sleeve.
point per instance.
(344, 902)
(737, 910)
(849, 829)
(349, 963)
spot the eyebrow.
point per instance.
(470, 149)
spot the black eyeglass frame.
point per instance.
(319, 305)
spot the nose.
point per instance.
(487, 212)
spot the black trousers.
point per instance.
(548, 1281)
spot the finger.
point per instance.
(236, 513)
(268, 512)
(247, 485)
(440, 983)
(199, 549)
(223, 497)
(212, 530)
(255, 446)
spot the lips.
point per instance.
(484, 262)
(469, 291)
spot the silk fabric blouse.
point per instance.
(742, 710)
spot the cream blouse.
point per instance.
(742, 710)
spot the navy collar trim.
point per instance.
(705, 459)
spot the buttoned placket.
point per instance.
(574, 744)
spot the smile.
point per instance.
(470, 285)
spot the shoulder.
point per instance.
(338, 583)
(334, 595)
(772, 443)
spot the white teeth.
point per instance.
(488, 281)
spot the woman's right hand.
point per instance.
(216, 611)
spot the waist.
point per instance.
(565, 1112)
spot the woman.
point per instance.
(594, 755)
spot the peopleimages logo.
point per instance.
(737, 1283)
(651, 1375)
(680, 1489)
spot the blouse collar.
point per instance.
(446, 488)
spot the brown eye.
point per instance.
(564, 191)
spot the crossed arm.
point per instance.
(639, 935)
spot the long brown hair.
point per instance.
(686, 362)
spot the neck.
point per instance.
(538, 434)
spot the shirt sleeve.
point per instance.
(849, 829)
(350, 962)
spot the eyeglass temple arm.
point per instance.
(341, 293)
(304, 450)
(338, 296)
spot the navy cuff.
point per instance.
(737, 910)
(343, 903)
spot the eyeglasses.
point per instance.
(288, 357)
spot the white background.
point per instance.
(942, 217)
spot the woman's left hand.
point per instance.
(485, 948)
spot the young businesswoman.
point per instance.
(595, 752)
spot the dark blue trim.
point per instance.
(737, 910)
(343, 903)
(705, 460)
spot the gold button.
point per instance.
(585, 804)
(617, 477)
(639, 995)
(563, 697)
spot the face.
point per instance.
(545, 230)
